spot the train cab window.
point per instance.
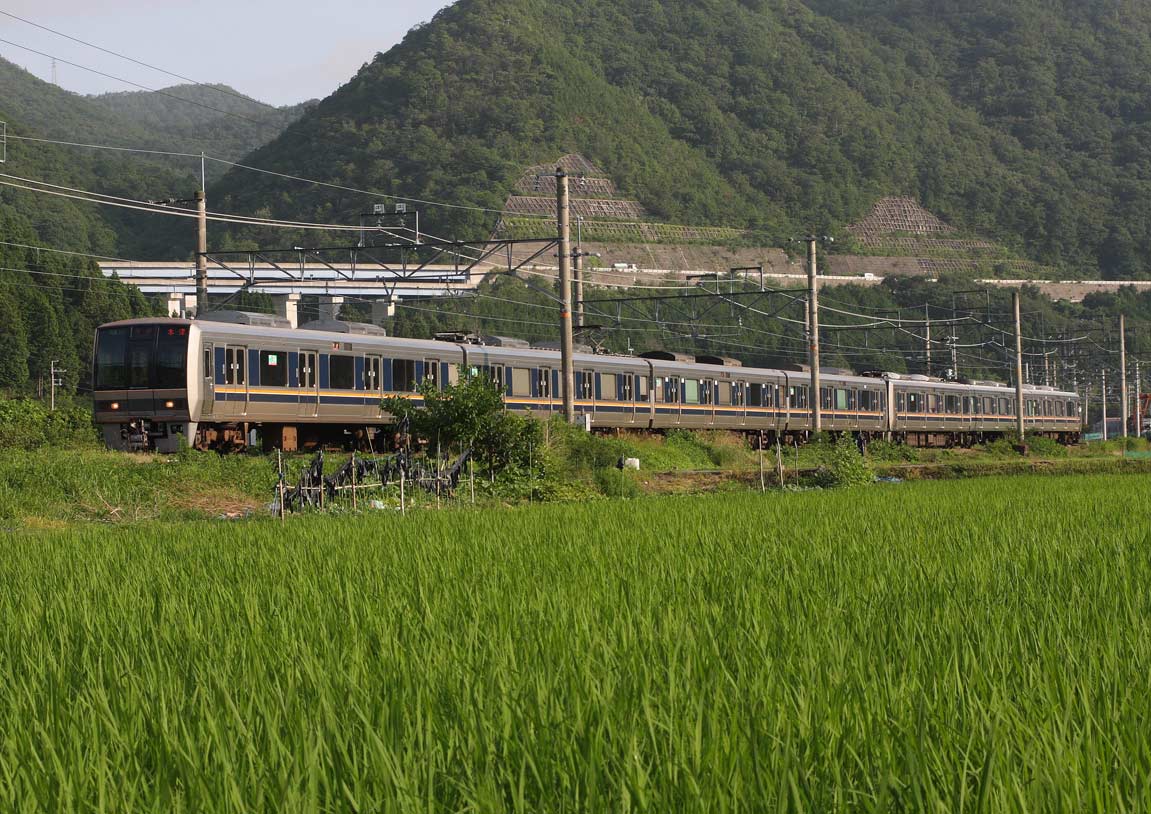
(724, 393)
(235, 360)
(273, 368)
(691, 391)
(171, 359)
(341, 372)
(432, 372)
(755, 395)
(404, 376)
(607, 386)
(521, 381)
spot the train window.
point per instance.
(208, 363)
(1072, 409)
(453, 374)
(843, 400)
(1004, 407)
(495, 375)
(724, 393)
(691, 391)
(660, 394)
(110, 369)
(900, 402)
(432, 372)
(706, 391)
(755, 395)
(171, 359)
(584, 380)
(235, 360)
(951, 403)
(913, 402)
(341, 372)
(273, 368)
(797, 397)
(607, 386)
(642, 382)
(1047, 407)
(544, 383)
(521, 381)
(626, 388)
(739, 393)
(404, 376)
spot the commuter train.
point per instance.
(223, 381)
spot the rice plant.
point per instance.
(962, 646)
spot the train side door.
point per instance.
(374, 381)
(544, 387)
(309, 379)
(208, 380)
(236, 377)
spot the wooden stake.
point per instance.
(280, 481)
(403, 508)
(762, 480)
(355, 505)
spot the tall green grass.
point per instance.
(964, 646)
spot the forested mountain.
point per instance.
(1022, 121)
(212, 118)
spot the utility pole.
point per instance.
(1020, 428)
(202, 254)
(927, 338)
(54, 381)
(1123, 410)
(563, 220)
(1103, 401)
(578, 270)
(1138, 403)
(813, 335)
(953, 341)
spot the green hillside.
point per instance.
(764, 114)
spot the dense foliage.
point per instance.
(1021, 121)
(926, 647)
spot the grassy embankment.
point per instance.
(977, 645)
(56, 485)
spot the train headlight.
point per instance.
(168, 405)
(115, 405)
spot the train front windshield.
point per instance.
(136, 357)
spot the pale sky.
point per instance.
(279, 52)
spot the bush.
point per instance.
(844, 466)
(1044, 447)
(888, 451)
(29, 424)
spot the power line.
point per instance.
(133, 60)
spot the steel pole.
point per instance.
(813, 336)
(1020, 429)
(563, 212)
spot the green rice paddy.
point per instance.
(962, 646)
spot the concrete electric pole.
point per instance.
(1123, 410)
(578, 257)
(54, 381)
(563, 219)
(1020, 428)
(202, 254)
(813, 335)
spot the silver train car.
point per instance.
(222, 381)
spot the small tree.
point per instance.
(468, 414)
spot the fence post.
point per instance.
(355, 504)
(280, 481)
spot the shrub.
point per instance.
(844, 466)
(29, 424)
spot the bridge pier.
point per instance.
(288, 307)
(330, 306)
(181, 305)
